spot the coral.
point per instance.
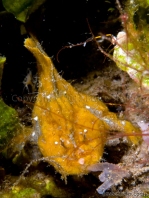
(111, 175)
(133, 166)
(73, 126)
(145, 131)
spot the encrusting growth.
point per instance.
(73, 126)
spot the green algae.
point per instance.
(38, 185)
(22, 8)
(134, 59)
(25, 193)
(9, 123)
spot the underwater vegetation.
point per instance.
(131, 50)
(70, 130)
(9, 123)
(22, 9)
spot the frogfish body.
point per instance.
(73, 125)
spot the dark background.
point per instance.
(56, 24)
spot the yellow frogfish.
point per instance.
(73, 126)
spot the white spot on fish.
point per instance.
(81, 161)
(35, 118)
(87, 107)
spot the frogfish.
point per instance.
(73, 126)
